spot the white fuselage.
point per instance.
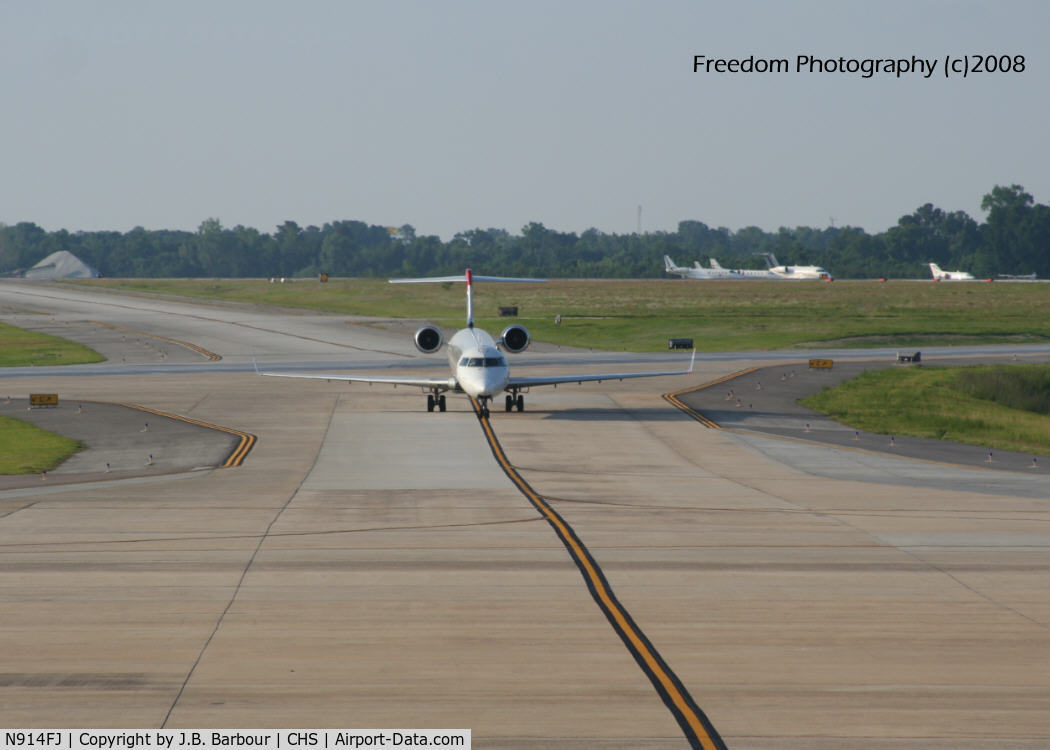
(939, 275)
(744, 273)
(478, 365)
(714, 272)
(725, 273)
(801, 273)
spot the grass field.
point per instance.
(26, 449)
(734, 315)
(642, 315)
(21, 348)
(1000, 407)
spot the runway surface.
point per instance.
(371, 565)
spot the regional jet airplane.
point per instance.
(795, 272)
(478, 368)
(939, 275)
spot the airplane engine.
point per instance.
(514, 339)
(428, 339)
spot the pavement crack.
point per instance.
(247, 567)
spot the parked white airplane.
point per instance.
(478, 368)
(714, 272)
(697, 271)
(939, 275)
(745, 273)
(799, 273)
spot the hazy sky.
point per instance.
(454, 115)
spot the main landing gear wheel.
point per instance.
(508, 403)
(519, 402)
(435, 400)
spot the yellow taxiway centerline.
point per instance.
(697, 727)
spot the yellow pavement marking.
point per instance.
(245, 445)
(672, 398)
(200, 350)
(697, 727)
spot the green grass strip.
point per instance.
(22, 348)
(641, 315)
(27, 449)
(1003, 407)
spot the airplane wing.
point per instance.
(443, 384)
(522, 382)
(440, 384)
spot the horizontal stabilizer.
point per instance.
(462, 277)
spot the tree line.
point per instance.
(1013, 239)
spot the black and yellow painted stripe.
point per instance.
(672, 398)
(193, 347)
(698, 729)
(245, 444)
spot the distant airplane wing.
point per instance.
(516, 382)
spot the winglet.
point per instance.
(255, 364)
(691, 362)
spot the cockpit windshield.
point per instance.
(483, 362)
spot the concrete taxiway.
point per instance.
(369, 564)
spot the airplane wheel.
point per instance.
(520, 403)
(430, 402)
(509, 402)
(441, 402)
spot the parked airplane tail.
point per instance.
(670, 266)
(715, 264)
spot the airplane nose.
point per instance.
(485, 383)
(474, 384)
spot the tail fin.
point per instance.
(470, 298)
(470, 278)
(669, 265)
(715, 264)
(935, 270)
